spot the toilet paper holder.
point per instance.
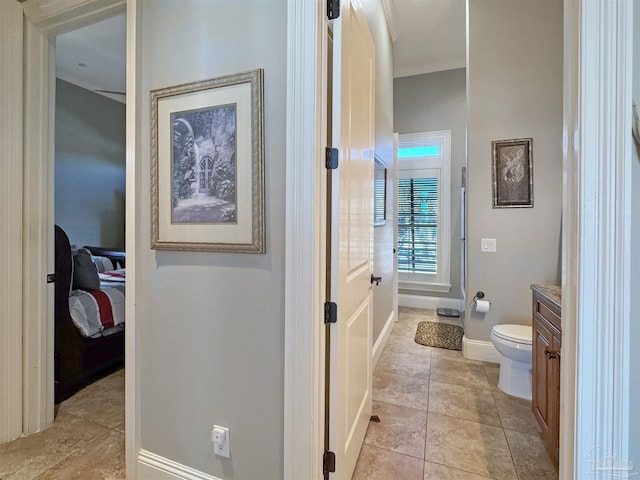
(482, 306)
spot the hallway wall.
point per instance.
(211, 325)
(514, 91)
(384, 295)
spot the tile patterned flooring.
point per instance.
(86, 441)
(442, 417)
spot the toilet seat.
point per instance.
(514, 333)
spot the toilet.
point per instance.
(514, 344)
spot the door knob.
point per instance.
(550, 354)
(375, 279)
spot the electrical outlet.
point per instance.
(220, 439)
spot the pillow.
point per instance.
(103, 264)
(85, 273)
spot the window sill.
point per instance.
(425, 287)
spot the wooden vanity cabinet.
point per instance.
(547, 342)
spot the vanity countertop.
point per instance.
(552, 292)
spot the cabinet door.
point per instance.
(546, 384)
(554, 400)
(542, 375)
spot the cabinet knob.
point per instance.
(550, 354)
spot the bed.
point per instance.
(84, 352)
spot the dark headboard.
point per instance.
(116, 256)
(64, 270)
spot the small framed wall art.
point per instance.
(512, 173)
(207, 152)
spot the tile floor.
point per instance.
(442, 417)
(86, 441)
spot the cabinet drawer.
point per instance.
(546, 311)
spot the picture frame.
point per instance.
(512, 173)
(207, 165)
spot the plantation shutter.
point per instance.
(418, 225)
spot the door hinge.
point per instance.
(330, 312)
(331, 158)
(328, 462)
(333, 9)
(51, 278)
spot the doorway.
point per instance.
(76, 148)
(89, 213)
(40, 29)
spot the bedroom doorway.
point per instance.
(89, 210)
(82, 144)
(29, 32)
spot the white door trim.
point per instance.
(11, 236)
(58, 16)
(305, 226)
(133, 429)
(39, 110)
(596, 303)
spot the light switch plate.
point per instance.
(488, 245)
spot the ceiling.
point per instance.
(429, 36)
(94, 57)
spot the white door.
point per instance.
(351, 237)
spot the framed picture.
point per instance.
(512, 173)
(207, 191)
(379, 192)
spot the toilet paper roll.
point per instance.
(483, 306)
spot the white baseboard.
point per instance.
(155, 467)
(429, 303)
(480, 350)
(381, 341)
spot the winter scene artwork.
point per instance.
(207, 165)
(204, 165)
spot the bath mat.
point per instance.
(441, 335)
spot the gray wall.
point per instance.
(431, 102)
(89, 166)
(383, 261)
(211, 325)
(634, 336)
(514, 91)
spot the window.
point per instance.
(418, 224)
(424, 211)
